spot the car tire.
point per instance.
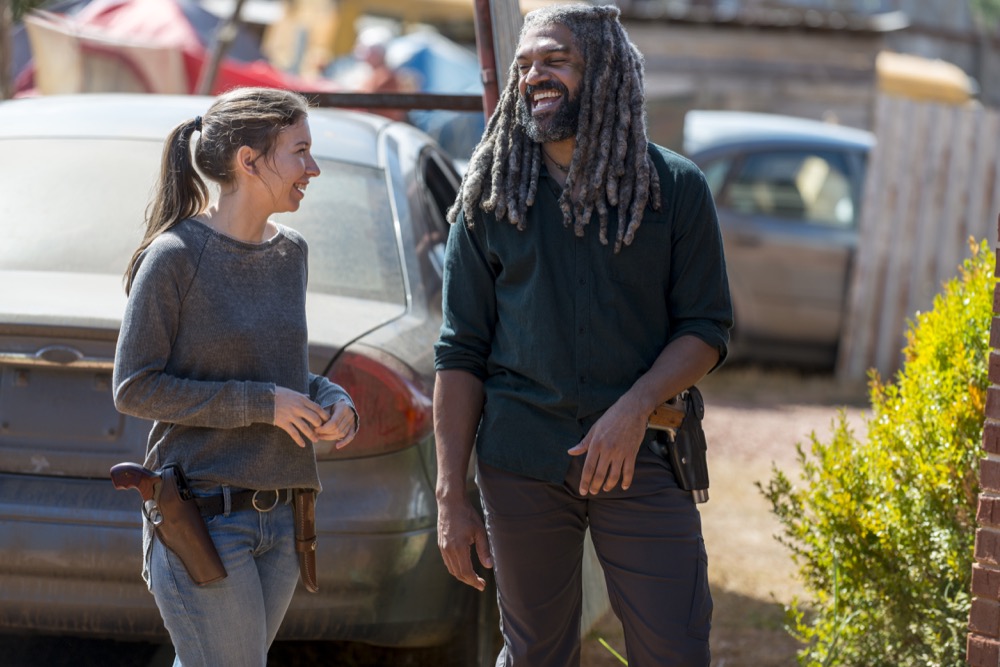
(477, 639)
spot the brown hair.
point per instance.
(610, 164)
(241, 117)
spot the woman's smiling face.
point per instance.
(287, 171)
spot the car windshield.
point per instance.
(78, 205)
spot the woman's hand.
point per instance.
(298, 416)
(340, 427)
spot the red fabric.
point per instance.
(162, 23)
(232, 74)
(152, 22)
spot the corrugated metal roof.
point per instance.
(853, 15)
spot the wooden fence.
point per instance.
(932, 184)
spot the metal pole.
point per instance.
(422, 101)
(223, 40)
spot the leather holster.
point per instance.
(304, 503)
(183, 529)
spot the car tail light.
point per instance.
(393, 403)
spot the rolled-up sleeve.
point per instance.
(699, 300)
(468, 302)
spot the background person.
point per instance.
(213, 348)
(559, 340)
(373, 73)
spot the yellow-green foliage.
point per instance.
(882, 529)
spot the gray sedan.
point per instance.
(75, 177)
(788, 193)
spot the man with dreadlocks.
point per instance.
(558, 342)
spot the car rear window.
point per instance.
(78, 206)
(800, 185)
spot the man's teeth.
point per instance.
(545, 95)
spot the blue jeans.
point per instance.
(230, 622)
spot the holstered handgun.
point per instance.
(173, 513)
(304, 506)
(680, 440)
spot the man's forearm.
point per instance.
(680, 365)
(458, 407)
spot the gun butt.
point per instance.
(666, 417)
(134, 476)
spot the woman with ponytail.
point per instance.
(213, 350)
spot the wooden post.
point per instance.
(497, 23)
(507, 21)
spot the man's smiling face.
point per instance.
(550, 70)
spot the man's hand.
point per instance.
(339, 428)
(459, 529)
(613, 442)
(458, 405)
(611, 446)
(297, 415)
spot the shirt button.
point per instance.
(581, 329)
(583, 379)
(583, 281)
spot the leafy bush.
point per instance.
(882, 529)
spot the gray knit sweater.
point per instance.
(212, 326)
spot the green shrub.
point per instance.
(882, 528)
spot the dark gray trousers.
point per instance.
(649, 543)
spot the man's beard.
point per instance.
(557, 126)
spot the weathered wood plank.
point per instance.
(957, 172)
(931, 210)
(864, 299)
(889, 325)
(933, 182)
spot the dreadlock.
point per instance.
(610, 165)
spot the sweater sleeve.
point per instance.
(142, 385)
(700, 302)
(325, 392)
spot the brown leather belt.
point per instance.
(262, 501)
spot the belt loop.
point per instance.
(227, 500)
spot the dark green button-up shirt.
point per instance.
(558, 327)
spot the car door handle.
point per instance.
(61, 356)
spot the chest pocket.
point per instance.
(647, 261)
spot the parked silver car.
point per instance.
(75, 177)
(788, 192)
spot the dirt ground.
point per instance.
(753, 418)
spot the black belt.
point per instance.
(262, 501)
